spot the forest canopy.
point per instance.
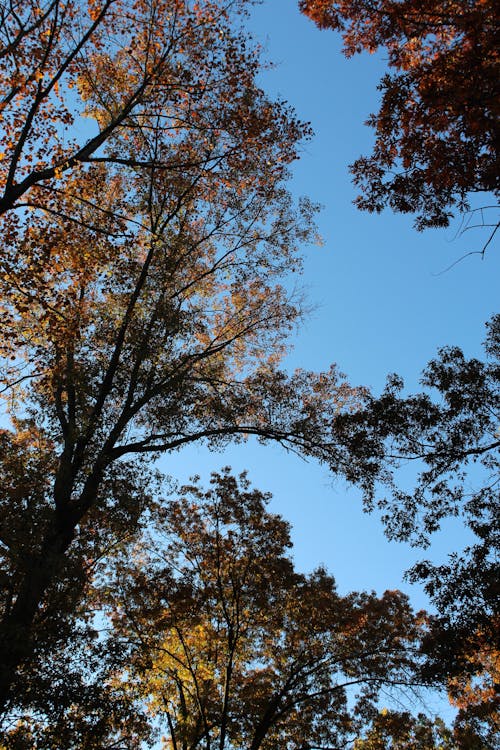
(143, 307)
(436, 132)
(147, 279)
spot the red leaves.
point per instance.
(439, 109)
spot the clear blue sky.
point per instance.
(382, 301)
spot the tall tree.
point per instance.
(230, 647)
(437, 128)
(450, 433)
(141, 306)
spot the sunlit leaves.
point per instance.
(147, 237)
(230, 645)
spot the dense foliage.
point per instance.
(146, 226)
(206, 626)
(437, 127)
(148, 237)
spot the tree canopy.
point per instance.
(149, 242)
(450, 432)
(436, 132)
(146, 228)
(209, 627)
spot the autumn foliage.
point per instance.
(436, 132)
(229, 646)
(146, 226)
(149, 240)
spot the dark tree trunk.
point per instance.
(18, 625)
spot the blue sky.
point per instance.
(383, 302)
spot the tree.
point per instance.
(60, 698)
(450, 433)
(139, 68)
(399, 730)
(73, 704)
(230, 647)
(437, 127)
(141, 303)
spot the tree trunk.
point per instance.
(17, 626)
